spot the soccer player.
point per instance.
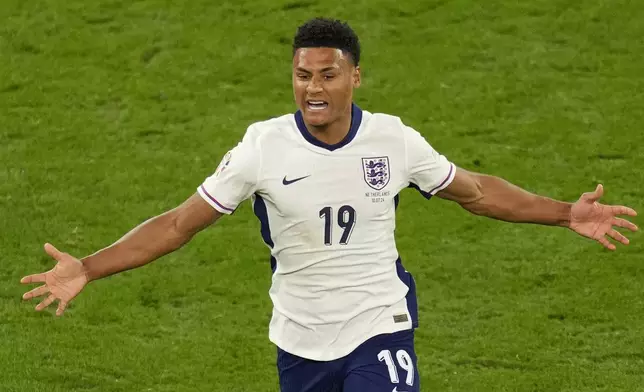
(324, 183)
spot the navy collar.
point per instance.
(356, 120)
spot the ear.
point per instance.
(356, 77)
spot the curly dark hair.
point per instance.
(328, 33)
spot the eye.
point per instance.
(303, 76)
(329, 77)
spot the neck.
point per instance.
(332, 133)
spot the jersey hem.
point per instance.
(310, 355)
(330, 351)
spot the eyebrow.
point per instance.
(300, 69)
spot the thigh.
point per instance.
(297, 374)
(385, 363)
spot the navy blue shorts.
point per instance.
(384, 363)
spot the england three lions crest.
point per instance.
(376, 172)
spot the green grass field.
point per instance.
(114, 111)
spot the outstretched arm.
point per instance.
(147, 242)
(152, 239)
(496, 198)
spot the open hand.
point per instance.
(62, 283)
(597, 221)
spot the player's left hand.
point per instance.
(597, 221)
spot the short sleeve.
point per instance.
(429, 171)
(235, 179)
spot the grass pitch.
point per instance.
(114, 111)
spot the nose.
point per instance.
(314, 86)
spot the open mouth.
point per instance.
(317, 105)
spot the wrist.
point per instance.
(566, 215)
(89, 276)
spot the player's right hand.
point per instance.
(62, 283)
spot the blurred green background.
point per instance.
(114, 111)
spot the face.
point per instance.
(323, 83)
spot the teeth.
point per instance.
(317, 105)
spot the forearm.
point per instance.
(145, 243)
(502, 200)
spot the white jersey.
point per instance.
(327, 213)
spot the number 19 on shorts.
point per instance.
(404, 361)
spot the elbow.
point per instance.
(476, 207)
(177, 237)
(476, 202)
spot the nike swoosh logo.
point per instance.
(289, 182)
